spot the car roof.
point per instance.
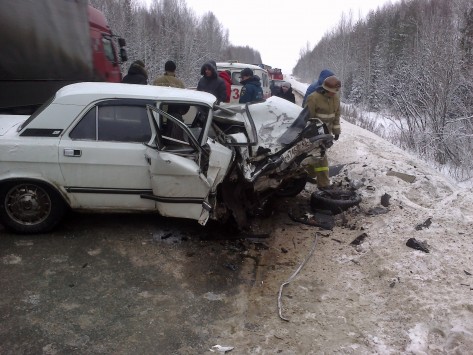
(84, 93)
(227, 65)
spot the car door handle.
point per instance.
(70, 152)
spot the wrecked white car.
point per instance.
(117, 147)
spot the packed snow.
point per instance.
(383, 296)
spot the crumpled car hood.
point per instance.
(272, 119)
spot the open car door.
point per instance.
(184, 172)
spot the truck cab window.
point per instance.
(108, 49)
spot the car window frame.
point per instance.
(35, 114)
(194, 142)
(115, 102)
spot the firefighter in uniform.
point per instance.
(324, 104)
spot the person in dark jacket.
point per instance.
(137, 74)
(211, 82)
(227, 77)
(285, 92)
(251, 90)
(316, 85)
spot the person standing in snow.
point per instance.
(324, 104)
(169, 77)
(210, 82)
(251, 90)
(324, 74)
(285, 92)
(137, 74)
(226, 76)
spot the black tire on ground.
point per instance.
(334, 200)
(29, 207)
(292, 188)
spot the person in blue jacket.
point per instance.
(324, 74)
(251, 90)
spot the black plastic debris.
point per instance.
(385, 200)
(376, 211)
(425, 224)
(358, 240)
(229, 266)
(322, 219)
(467, 273)
(418, 245)
(167, 237)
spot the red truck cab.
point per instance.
(275, 73)
(104, 54)
(48, 44)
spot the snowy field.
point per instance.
(383, 297)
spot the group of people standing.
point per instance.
(212, 81)
(321, 99)
(219, 83)
(137, 74)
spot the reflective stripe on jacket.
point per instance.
(326, 108)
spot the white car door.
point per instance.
(184, 172)
(102, 158)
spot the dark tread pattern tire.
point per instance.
(334, 200)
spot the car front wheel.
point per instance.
(30, 207)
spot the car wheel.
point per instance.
(292, 188)
(334, 200)
(30, 207)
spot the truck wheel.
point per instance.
(334, 200)
(30, 207)
(292, 188)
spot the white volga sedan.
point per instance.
(121, 147)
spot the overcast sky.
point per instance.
(279, 29)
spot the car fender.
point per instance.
(30, 176)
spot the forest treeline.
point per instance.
(412, 60)
(170, 30)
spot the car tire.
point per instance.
(292, 188)
(29, 207)
(334, 200)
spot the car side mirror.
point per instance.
(121, 42)
(123, 55)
